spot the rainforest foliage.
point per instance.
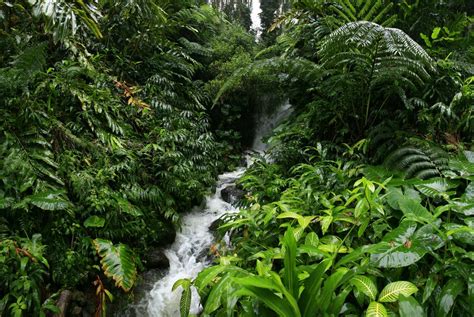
(118, 115)
(363, 205)
(106, 136)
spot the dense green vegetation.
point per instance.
(105, 137)
(118, 115)
(366, 207)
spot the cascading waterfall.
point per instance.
(189, 254)
(255, 17)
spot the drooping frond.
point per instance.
(285, 68)
(65, 18)
(377, 11)
(377, 62)
(420, 160)
(383, 45)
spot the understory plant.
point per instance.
(349, 239)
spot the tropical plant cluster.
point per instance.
(107, 135)
(364, 204)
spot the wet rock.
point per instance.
(63, 303)
(76, 311)
(232, 194)
(216, 224)
(156, 259)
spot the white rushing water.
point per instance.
(189, 254)
(255, 11)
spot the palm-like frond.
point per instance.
(65, 18)
(420, 160)
(377, 11)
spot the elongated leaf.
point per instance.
(185, 301)
(448, 296)
(118, 263)
(312, 288)
(330, 286)
(290, 276)
(376, 310)
(272, 301)
(338, 302)
(207, 275)
(430, 286)
(365, 285)
(214, 300)
(392, 291)
(409, 307)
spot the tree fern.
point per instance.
(420, 160)
(374, 64)
(377, 11)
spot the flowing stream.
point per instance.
(189, 254)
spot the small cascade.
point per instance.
(266, 124)
(189, 254)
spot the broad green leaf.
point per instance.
(365, 285)
(332, 244)
(376, 310)
(184, 283)
(118, 263)
(409, 307)
(361, 208)
(392, 291)
(461, 233)
(51, 200)
(405, 245)
(258, 281)
(290, 214)
(311, 239)
(311, 251)
(413, 210)
(325, 222)
(94, 222)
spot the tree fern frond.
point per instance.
(31, 61)
(421, 160)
